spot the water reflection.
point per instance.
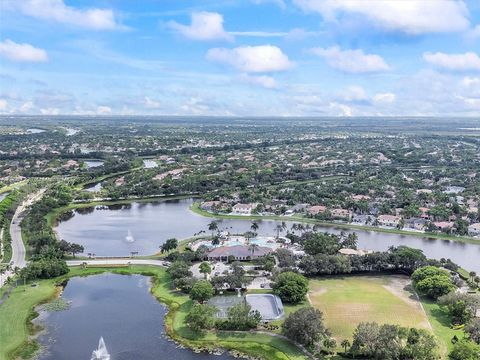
(103, 232)
(118, 308)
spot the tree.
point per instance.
(254, 227)
(345, 344)
(465, 350)
(179, 269)
(241, 317)
(170, 244)
(461, 307)
(202, 291)
(76, 249)
(305, 326)
(201, 317)
(286, 258)
(435, 286)
(427, 271)
(252, 248)
(291, 287)
(330, 344)
(205, 269)
(213, 226)
(473, 330)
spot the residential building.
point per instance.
(389, 220)
(474, 229)
(239, 252)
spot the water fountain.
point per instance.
(101, 353)
(129, 238)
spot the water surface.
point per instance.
(104, 232)
(93, 163)
(4, 195)
(121, 309)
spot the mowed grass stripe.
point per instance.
(348, 301)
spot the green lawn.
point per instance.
(17, 310)
(347, 301)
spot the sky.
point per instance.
(240, 57)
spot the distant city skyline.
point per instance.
(240, 57)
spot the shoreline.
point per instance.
(250, 344)
(432, 236)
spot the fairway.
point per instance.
(348, 301)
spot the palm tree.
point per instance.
(253, 248)
(213, 226)
(278, 229)
(254, 226)
(472, 275)
(345, 344)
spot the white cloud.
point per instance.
(151, 104)
(351, 61)
(26, 107)
(22, 52)
(104, 110)
(411, 17)
(384, 97)
(353, 94)
(252, 59)
(280, 3)
(475, 32)
(3, 104)
(56, 10)
(204, 26)
(50, 111)
(265, 81)
(460, 62)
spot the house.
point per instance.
(444, 225)
(296, 209)
(360, 197)
(474, 229)
(239, 252)
(418, 224)
(362, 219)
(316, 209)
(243, 209)
(350, 252)
(389, 220)
(425, 214)
(454, 190)
(210, 205)
(342, 214)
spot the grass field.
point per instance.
(348, 301)
(17, 311)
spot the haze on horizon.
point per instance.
(240, 57)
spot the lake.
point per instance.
(119, 308)
(104, 231)
(93, 163)
(35, 131)
(149, 164)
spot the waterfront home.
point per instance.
(418, 224)
(425, 215)
(243, 209)
(444, 225)
(210, 205)
(351, 252)
(389, 220)
(342, 214)
(474, 229)
(316, 209)
(454, 190)
(239, 252)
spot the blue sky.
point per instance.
(240, 57)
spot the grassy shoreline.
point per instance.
(18, 310)
(196, 209)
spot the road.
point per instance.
(110, 262)
(18, 247)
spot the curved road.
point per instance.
(18, 247)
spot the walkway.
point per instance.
(114, 261)
(18, 247)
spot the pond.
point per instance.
(149, 164)
(143, 227)
(93, 163)
(119, 308)
(93, 187)
(35, 131)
